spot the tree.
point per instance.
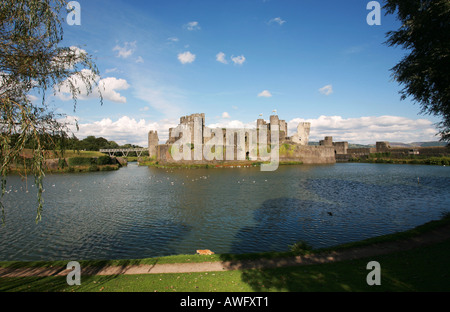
(31, 60)
(424, 72)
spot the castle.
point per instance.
(239, 141)
(188, 121)
(295, 147)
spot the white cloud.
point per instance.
(173, 39)
(126, 50)
(233, 124)
(265, 93)
(238, 59)
(225, 115)
(368, 130)
(277, 20)
(327, 90)
(123, 130)
(139, 60)
(108, 87)
(186, 57)
(220, 57)
(192, 26)
(110, 70)
(363, 130)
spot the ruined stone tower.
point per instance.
(153, 142)
(188, 122)
(328, 141)
(302, 135)
(260, 122)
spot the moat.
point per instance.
(140, 212)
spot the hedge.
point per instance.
(81, 161)
(88, 161)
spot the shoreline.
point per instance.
(430, 233)
(231, 164)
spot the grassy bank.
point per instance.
(241, 164)
(70, 169)
(424, 269)
(420, 269)
(68, 162)
(386, 158)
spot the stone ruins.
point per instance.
(291, 148)
(295, 147)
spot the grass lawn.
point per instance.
(425, 269)
(67, 153)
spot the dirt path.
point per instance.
(434, 236)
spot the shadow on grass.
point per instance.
(58, 281)
(348, 276)
(419, 269)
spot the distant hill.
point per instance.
(394, 144)
(352, 145)
(428, 144)
(418, 144)
(398, 144)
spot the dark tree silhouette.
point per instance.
(424, 72)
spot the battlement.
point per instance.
(190, 118)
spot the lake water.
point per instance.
(141, 212)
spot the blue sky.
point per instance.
(316, 61)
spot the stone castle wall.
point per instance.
(311, 155)
(298, 151)
(305, 154)
(341, 148)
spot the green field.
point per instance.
(68, 162)
(424, 269)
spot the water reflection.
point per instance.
(139, 212)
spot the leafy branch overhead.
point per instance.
(31, 61)
(424, 72)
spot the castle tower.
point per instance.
(190, 122)
(382, 147)
(302, 135)
(260, 122)
(274, 121)
(153, 142)
(328, 141)
(283, 128)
